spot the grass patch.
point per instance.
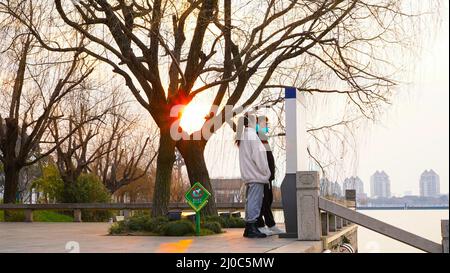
(51, 216)
(38, 216)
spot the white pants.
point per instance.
(254, 198)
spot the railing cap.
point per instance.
(444, 228)
(308, 180)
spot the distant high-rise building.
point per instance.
(429, 184)
(354, 183)
(328, 188)
(380, 185)
(325, 187)
(337, 189)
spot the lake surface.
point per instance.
(425, 223)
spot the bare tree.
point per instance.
(30, 98)
(85, 116)
(210, 47)
(139, 190)
(127, 155)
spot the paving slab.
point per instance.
(93, 237)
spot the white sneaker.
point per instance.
(275, 230)
(265, 230)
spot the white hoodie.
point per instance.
(253, 158)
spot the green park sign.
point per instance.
(197, 197)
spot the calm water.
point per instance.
(425, 223)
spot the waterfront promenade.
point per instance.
(93, 237)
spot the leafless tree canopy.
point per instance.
(169, 52)
(34, 81)
(124, 157)
(177, 49)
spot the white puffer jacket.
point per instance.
(253, 158)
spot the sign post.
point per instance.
(296, 157)
(197, 197)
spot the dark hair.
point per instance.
(245, 121)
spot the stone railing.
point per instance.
(317, 216)
(126, 208)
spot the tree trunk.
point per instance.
(193, 155)
(164, 166)
(10, 163)
(67, 192)
(69, 181)
(11, 184)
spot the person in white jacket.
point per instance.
(255, 173)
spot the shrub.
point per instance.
(178, 228)
(205, 231)
(160, 223)
(142, 222)
(213, 226)
(50, 183)
(117, 228)
(235, 222)
(227, 222)
(13, 216)
(87, 189)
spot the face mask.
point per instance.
(264, 130)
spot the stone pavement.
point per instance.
(92, 237)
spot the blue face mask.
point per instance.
(264, 130)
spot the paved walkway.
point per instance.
(92, 237)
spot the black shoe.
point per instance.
(251, 231)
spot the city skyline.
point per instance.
(413, 134)
(355, 180)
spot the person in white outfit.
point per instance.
(255, 173)
(266, 222)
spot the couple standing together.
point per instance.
(257, 167)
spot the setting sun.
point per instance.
(193, 116)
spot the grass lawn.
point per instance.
(40, 216)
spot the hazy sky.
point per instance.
(411, 136)
(414, 132)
